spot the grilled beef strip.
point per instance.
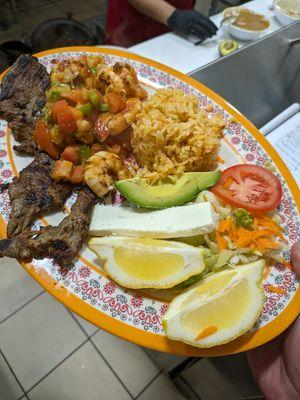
(22, 98)
(35, 191)
(62, 242)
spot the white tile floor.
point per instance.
(47, 352)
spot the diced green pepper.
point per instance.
(57, 83)
(243, 218)
(94, 98)
(86, 109)
(85, 152)
(54, 96)
(104, 107)
(93, 69)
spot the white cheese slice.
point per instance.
(182, 221)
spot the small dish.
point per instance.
(284, 16)
(248, 32)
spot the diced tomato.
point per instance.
(70, 153)
(66, 122)
(249, 186)
(62, 170)
(115, 102)
(77, 174)
(60, 106)
(42, 137)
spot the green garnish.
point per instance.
(93, 69)
(94, 98)
(243, 218)
(85, 152)
(86, 109)
(54, 96)
(104, 107)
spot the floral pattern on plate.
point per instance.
(91, 286)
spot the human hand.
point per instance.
(192, 22)
(276, 365)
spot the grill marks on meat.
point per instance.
(35, 191)
(22, 98)
(61, 242)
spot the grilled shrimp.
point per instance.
(114, 124)
(121, 79)
(102, 170)
(130, 81)
(110, 82)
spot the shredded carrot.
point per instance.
(225, 225)
(262, 244)
(263, 232)
(261, 237)
(268, 222)
(286, 264)
(221, 242)
(275, 289)
(266, 271)
(207, 332)
(220, 160)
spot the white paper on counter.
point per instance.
(286, 140)
(280, 119)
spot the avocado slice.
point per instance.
(166, 194)
(227, 46)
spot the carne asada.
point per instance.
(35, 191)
(22, 98)
(60, 243)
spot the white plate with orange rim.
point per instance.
(136, 316)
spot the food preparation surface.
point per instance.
(181, 54)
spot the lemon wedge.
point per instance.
(218, 309)
(147, 263)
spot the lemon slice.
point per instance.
(147, 263)
(218, 309)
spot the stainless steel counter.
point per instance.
(261, 79)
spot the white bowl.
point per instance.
(241, 33)
(284, 18)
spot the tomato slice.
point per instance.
(249, 186)
(66, 122)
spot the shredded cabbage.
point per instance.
(221, 209)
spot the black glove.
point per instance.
(188, 22)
